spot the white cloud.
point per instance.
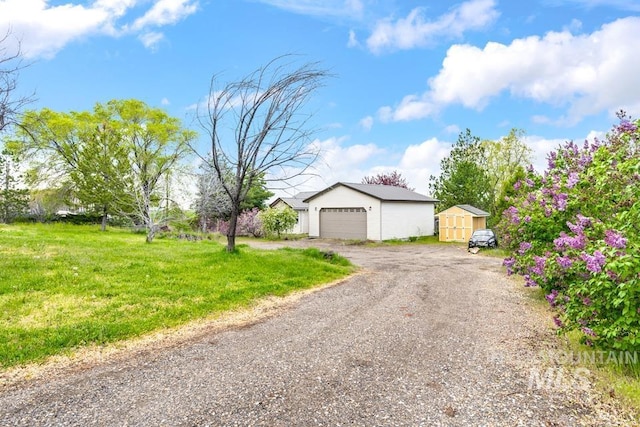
(45, 29)
(165, 101)
(417, 31)
(452, 129)
(166, 12)
(586, 74)
(412, 107)
(151, 39)
(333, 8)
(353, 40)
(351, 163)
(366, 123)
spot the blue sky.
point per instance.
(409, 75)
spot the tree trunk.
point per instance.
(103, 227)
(231, 233)
(151, 233)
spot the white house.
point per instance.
(297, 204)
(370, 212)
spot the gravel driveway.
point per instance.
(424, 335)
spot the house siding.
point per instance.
(401, 220)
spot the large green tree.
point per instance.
(504, 158)
(156, 144)
(463, 177)
(114, 158)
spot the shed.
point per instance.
(370, 212)
(457, 223)
(298, 204)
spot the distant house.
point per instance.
(369, 212)
(297, 204)
(458, 222)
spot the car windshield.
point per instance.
(482, 233)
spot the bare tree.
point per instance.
(257, 125)
(10, 66)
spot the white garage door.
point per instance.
(343, 223)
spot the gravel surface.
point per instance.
(425, 335)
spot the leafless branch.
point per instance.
(10, 65)
(258, 124)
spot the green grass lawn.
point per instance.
(64, 286)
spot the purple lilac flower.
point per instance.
(517, 185)
(512, 212)
(551, 298)
(575, 228)
(584, 160)
(583, 221)
(626, 126)
(586, 301)
(548, 211)
(527, 219)
(524, 247)
(529, 282)
(565, 241)
(539, 267)
(529, 182)
(594, 262)
(530, 168)
(572, 180)
(509, 262)
(564, 261)
(612, 275)
(588, 331)
(558, 322)
(560, 201)
(614, 239)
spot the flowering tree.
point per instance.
(394, 178)
(574, 231)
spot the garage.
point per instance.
(343, 223)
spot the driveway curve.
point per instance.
(425, 335)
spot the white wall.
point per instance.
(405, 219)
(343, 197)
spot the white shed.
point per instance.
(370, 212)
(297, 204)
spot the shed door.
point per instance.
(343, 223)
(455, 226)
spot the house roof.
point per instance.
(296, 202)
(387, 193)
(473, 210)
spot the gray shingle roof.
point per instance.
(472, 209)
(296, 202)
(388, 193)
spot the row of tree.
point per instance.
(481, 172)
(123, 157)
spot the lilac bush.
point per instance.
(573, 231)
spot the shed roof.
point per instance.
(473, 210)
(388, 193)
